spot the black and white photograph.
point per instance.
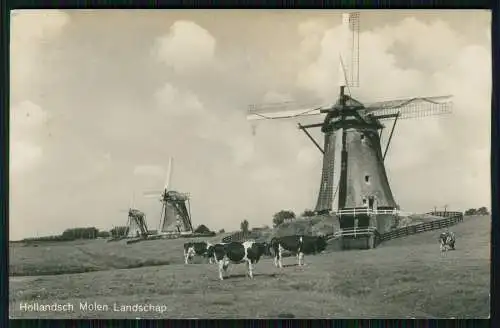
(250, 164)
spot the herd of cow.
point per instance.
(250, 252)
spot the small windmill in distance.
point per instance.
(175, 216)
(136, 222)
(353, 174)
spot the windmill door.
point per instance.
(372, 203)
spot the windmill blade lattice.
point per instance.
(410, 107)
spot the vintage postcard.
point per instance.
(250, 164)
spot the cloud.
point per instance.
(186, 47)
(31, 30)
(178, 103)
(23, 155)
(309, 157)
(26, 116)
(26, 122)
(37, 25)
(151, 170)
(273, 96)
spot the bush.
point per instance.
(103, 234)
(118, 231)
(202, 229)
(222, 231)
(480, 211)
(282, 216)
(81, 233)
(307, 213)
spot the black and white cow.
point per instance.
(248, 252)
(446, 241)
(196, 248)
(298, 245)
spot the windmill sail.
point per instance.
(328, 197)
(325, 197)
(349, 50)
(169, 174)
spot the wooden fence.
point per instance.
(449, 219)
(240, 236)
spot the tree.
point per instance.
(482, 211)
(202, 229)
(282, 216)
(81, 233)
(118, 231)
(103, 234)
(470, 211)
(307, 213)
(222, 231)
(244, 226)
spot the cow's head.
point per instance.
(210, 250)
(190, 252)
(262, 248)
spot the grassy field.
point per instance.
(406, 277)
(96, 255)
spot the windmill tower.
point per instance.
(136, 222)
(353, 175)
(175, 217)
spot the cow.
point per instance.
(248, 252)
(446, 241)
(196, 248)
(298, 245)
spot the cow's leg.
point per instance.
(275, 249)
(280, 257)
(225, 266)
(300, 256)
(221, 266)
(250, 268)
(186, 255)
(444, 249)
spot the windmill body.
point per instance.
(365, 181)
(136, 225)
(175, 217)
(354, 182)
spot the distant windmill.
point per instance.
(136, 222)
(352, 151)
(175, 216)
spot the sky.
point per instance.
(100, 100)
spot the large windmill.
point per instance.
(353, 174)
(175, 217)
